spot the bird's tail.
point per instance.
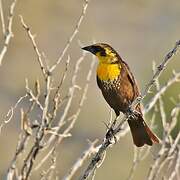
(141, 133)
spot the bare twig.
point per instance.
(71, 95)
(34, 44)
(62, 119)
(79, 162)
(139, 155)
(75, 116)
(167, 151)
(162, 90)
(161, 104)
(2, 18)
(32, 96)
(49, 172)
(10, 113)
(56, 99)
(8, 33)
(43, 127)
(176, 172)
(23, 140)
(29, 160)
(76, 30)
(157, 73)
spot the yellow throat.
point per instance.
(107, 70)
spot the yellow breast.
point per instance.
(108, 71)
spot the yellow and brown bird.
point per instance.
(119, 89)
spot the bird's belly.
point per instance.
(115, 95)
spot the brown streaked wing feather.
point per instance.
(131, 79)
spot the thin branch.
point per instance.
(33, 97)
(174, 145)
(157, 73)
(23, 140)
(80, 161)
(161, 109)
(56, 98)
(160, 158)
(35, 47)
(30, 158)
(174, 118)
(45, 118)
(76, 30)
(8, 33)
(71, 95)
(162, 90)
(75, 116)
(65, 112)
(176, 172)
(2, 19)
(167, 150)
(139, 155)
(47, 175)
(10, 113)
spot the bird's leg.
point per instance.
(132, 113)
(110, 119)
(114, 122)
(110, 132)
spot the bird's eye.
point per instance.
(100, 50)
(103, 52)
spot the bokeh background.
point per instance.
(141, 31)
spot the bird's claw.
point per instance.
(110, 135)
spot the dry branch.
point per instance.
(35, 47)
(2, 18)
(8, 33)
(10, 113)
(161, 91)
(47, 115)
(79, 162)
(76, 30)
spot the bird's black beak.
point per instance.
(91, 49)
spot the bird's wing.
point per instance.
(131, 79)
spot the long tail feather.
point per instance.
(141, 133)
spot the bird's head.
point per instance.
(104, 52)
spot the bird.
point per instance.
(120, 89)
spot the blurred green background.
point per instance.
(141, 31)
